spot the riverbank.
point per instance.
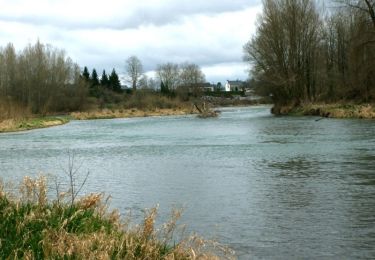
(336, 110)
(15, 125)
(33, 227)
(127, 113)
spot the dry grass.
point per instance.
(126, 113)
(12, 110)
(336, 110)
(13, 125)
(32, 227)
(366, 111)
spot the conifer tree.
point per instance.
(114, 81)
(86, 74)
(94, 78)
(104, 81)
(163, 88)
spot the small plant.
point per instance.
(33, 227)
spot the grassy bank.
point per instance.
(336, 110)
(14, 125)
(22, 124)
(32, 227)
(125, 113)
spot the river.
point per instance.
(269, 187)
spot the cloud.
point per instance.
(114, 14)
(102, 35)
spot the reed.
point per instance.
(336, 110)
(33, 227)
(127, 113)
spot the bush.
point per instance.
(33, 227)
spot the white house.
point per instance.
(234, 85)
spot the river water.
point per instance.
(269, 187)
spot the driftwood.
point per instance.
(205, 112)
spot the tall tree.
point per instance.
(134, 70)
(94, 78)
(86, 74)
(191, 79)
(169, 75)
(104, 81)
(114, 81)
(191, 74)
(284, 49)
(41, 79)
(366, 6)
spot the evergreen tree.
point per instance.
(86, 74)
(104, 81)
(114, 81)
(163, 88)
(94, 78)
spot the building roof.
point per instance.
(235, 82)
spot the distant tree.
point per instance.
(114, 81)
(86, 74)
(219, 86)
(134, 71)
(94, 78)
(191, 78)
(163, 88)
(144, 82)
(169, 75)
(191, 74)
(40, 79)
(104, 81)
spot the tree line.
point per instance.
(305, 52)
(40, 78)
(171, 78)
(96, 85)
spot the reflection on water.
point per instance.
(270, 187)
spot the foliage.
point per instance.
(104, 81)
(41, 79)
(86, 74)
(302, 53)
(32, 227)
(114, 82)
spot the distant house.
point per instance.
(234, 85)
(207, 87)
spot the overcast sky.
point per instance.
(102, 34)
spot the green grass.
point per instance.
(14, 125)
(33, 227)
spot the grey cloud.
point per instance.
(159, 15)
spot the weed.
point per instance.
(33, 227)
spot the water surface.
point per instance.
(270, 187)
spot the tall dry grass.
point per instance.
(11, 113)
(33, 227)
(127, 113)
(334, 110)
(12, 110)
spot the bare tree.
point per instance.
(366, 6)
(40, 78)
(191, 74)
(169, 75)
(284, 50)
(191, 80)
(134, 70)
